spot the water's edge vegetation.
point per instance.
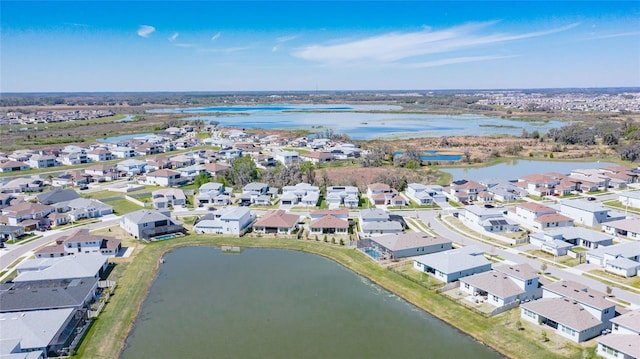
(107, 336)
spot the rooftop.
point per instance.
(564, 311)
(407, 240)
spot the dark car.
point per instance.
(591, 199)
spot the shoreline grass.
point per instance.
(107, 336)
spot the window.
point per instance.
(530, 282)
(529, 313)
(466, 285)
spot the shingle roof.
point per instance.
(521, 271)
(45, 294)
(57, 195)
(625, 343)
(145, 216)
(580, 293)
(329, 221)
(279, 219)
(564, 311)
(455, 260)
(400, 241)
(494, 283)
(630, 320)
(36, 329)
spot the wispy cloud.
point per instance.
(146, 30)
(457, 60)
(183, 44)
(282, 39)
(227, 49)
(621, 34)
(173, 37)
(392, 47)
(216, 36)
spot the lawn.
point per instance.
(123, 206)
(632, 281)
(134, 276)
(565, 260)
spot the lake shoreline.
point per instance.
(403, 288)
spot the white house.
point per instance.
(164, 178)
(301, 194)
(451, 265)
(559, 241)
(229, 220)
(42, 161)
(629, 227)
(488, 219)
(286, 157)
(131, 166)
(630, 199)
(375, 221)
(277, 222)
(538, 216)
(587, 213)
(622, 259)
(346, 196)
(504, 284)
(423, 194)
(403, 245)
(80, 242)
(168, 197)
(573, 310)
(623, 341)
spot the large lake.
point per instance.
(362, 122)
(268, 303)
(512, 169)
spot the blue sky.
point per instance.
(48, 46)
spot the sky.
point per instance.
(105, 46)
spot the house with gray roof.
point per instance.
(57, 195)
(504, 284)
(629, 227)
(376, 222)
(168, 197)
(302, 194)
(45, 331)
(47, 294)
(623, 341)
(231, 220)
(561, 240)
(80, 208)
(88, 265)
(10, 233)
(146, 223)
(488, 219)
(131, 166)
(451, 265)
(588, 213)
(347, 196)
(573, 310)
(403, 245)
(630, 199)
(209, 192)
(622, 259)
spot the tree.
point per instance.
(467, 156)
(201, 179)
(243, 171)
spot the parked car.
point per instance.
(591, 198)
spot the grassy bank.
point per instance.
(106, 337)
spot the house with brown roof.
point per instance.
(13, 166)
(28, 215)
(277, 222)
(329, 224)
(317, 157)
(164, 178)
(102, 172)
(538, 216)
(79, 242)
(465, 190)
(573, 310)
(100, 154)
(541, 184)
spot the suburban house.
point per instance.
(87, 265)
(42, 161)
(122, 151)
(589, 180)
(629, 227)
(229, 220)
(47, 295)
(256, 189)
(164, 178)
(573, 310)
(145, 224)
(13, 166)
(559, 241)
(302, 194)
(213, 193)
(375, 221)
(10, 233)
(487, 219)
(101, 172)
(81, 208)
(623, 341)
(538, 216)
(317, 157)
(131, 167)
(383, 194)
(78, 242)
(21, 185)
(587, 213)
(100, 154)
(57, 329)
(630, 199)
(342, 213)
(504, 284)
(505, 191)
(329, 224)
(423, 194)
(541, 184)
(215, 169)
(286, 157)
(277, 222)
(28, 215)
(346, 196)
(57, 195)
(622, 259)
(451, 265)
(74, 158)
(465, 190)
(168, 197)
(403, 245)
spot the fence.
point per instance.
(108, 286)
(136, 201)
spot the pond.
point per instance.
(270, 303)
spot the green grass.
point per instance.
(106, 337)
(564, 260)
(123, 206)
(621, 206)
(615, 280)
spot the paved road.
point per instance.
(513, 256)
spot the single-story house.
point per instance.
(451, 265)
(504, 284)
(277, 222)
(402, 245)
(146, 223)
